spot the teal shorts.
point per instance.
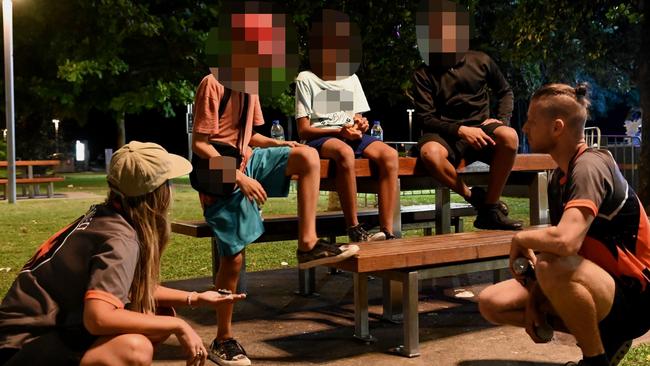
(235, 220)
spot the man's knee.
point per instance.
(488, 304)
(387, 159)
(307, 158)
(433, 153)
(507, 138)
(344, 157)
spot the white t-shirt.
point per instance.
(329, 104)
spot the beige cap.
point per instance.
(138, 168)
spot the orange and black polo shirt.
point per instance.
(618, 240)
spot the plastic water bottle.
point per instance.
(376, 131)
(523, 267)
(277, 132)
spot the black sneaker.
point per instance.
(357, 234)
(477, 199)
(490, 217)
(228, 353)
(616, 351)
(324, 253)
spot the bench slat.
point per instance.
(428, 251)
(34, 180)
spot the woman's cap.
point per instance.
(138, 168)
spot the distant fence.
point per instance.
(626, 151)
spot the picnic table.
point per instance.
(29, 182)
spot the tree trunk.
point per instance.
(121, 130)
(644, 89)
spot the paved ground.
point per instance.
(278, 328)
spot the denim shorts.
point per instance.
(235, 220)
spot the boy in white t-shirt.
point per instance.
(329, 103)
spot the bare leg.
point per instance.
(581, 293)
(505, 151)
(385, 157)
(346, 183)
(227, 277)
(504, 303)
(435, 157)
(304, 162)
(124, 349)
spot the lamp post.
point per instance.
(7, 17)
(410, 112)
(56, 136)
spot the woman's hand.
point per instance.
(191, 343)
(215, 299)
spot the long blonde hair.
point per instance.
(147, 214)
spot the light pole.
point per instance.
(7, 18)
(56, 136)
(410, 112)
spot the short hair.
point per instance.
(562, 100)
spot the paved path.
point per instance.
(278, 328)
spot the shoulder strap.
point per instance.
(243, 121)
(224, 100)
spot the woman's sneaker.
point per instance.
(228, 353)
(324, 253)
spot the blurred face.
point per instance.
(334, 46)
(253, 50)
(539, 129)
(443, 31)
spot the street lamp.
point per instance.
(56, 135)
(7, 17)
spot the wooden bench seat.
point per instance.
(406, 261)
(49, 180)
(328, 224)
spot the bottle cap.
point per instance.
(375, 122)
(276, 122)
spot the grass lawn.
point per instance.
(28, 223)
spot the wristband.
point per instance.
(189, 299)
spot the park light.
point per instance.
(4, 134)
(56, 135)
(80, 149)
(8, 38)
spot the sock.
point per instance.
(598, 360)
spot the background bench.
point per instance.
(28, 180)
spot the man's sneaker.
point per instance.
(324, 253)
(477, 199)
(382, 235)
(616, 351)
(228, 353)
(357, 234)
(490, 217)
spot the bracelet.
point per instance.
(189, 299)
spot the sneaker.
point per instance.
(324, 253)
(357, 234)
(490, 217)
(382, 235)
(616, 351)
(477, 199)
(228, 353)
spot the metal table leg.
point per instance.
(361, 328)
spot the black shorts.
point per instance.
(629, 317)
(57, 348)
(458, 149)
